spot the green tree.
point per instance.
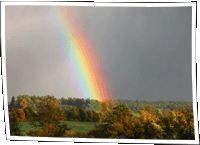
(63, 101)
(67, 107)
(79, 103)
(71, 114)
(82, 114)
(94, 105)
(90, 115)
(96, 117)
(30, 114)
(12, 102)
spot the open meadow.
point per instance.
(74, 125)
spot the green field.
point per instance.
(74, 125)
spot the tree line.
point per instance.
(26, 108)
(95, 105)
(119, 120)
(136, 105)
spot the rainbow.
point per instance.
(86, 66)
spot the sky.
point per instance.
(144, 53)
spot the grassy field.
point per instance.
(74, 125)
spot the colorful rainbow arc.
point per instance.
(83, 57)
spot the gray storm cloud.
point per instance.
(145, 52)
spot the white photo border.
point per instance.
(185, 4)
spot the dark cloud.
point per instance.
(145, 52)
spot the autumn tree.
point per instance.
(19, 115)
(30, 114)
(118, 124)
(24, 103)
(122, 124)
(51, 119)
(14, 124)
(96, 117)
(106, 107)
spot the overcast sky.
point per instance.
(145, 52)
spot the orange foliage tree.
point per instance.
(29, 114)
(15, 117)
(118, 124)
(151, 125)
(24, 103)
(51, 120)
(18, 115)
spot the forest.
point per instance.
(95, 105)
(126, 119)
